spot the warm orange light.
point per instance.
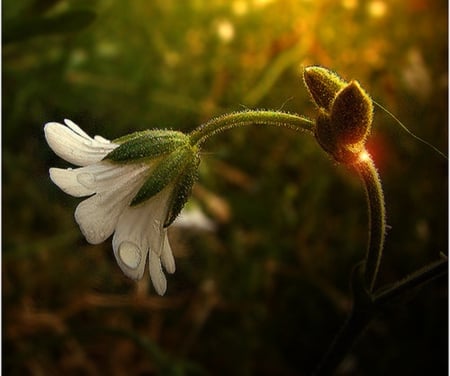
(363, 156)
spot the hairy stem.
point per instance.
(244, 118)
(377, 217)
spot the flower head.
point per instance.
(345, 113)
(137, 185)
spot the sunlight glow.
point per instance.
(364, 156)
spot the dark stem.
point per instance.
(357, 321)
(367, 305)
(353, 328)
(418, 278)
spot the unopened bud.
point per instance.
(352, 114)
(323, 85)
(345, 113)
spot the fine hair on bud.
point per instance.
(351, 114)
(323, 85)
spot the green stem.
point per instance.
(244, 118)
(377, 217)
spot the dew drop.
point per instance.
(130, 254)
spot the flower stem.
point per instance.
(244, 118)
(367, 305)
(418, 278)
(377, 217)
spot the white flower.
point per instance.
(122, 199)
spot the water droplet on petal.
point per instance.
(130, 254)
(86, 179)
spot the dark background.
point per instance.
(267, 290)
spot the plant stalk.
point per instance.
(244, 118)
(377, 217)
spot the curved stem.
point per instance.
(243, 118)
(377, 217)
(367, 306)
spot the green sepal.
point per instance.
(183, 188)
(327, 136)
(146, 144)
(352, 114)
(323, 85)
(165, 172)
(325, 132)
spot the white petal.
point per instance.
(75, 146)
(156, 274)
(97, 216)
(167, 256)
(129, 234)
(66, 179)
(99, 177)
(131, 259)
(132, 229)
(101, 139)
(130, 255)
(76, 128)
(142, 226)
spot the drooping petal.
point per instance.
(156, 274)
(130, 238)
(66, 179)
(115, 186)
(97, 217)
(167, 256)
(131, 259)
(142, 227)
(74, 145)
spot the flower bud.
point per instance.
(324, 132)
(351, 114)
(345, 113)
(323, 85)
(326, 135)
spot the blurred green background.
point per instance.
(267, 290)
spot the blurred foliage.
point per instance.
(266, 292)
